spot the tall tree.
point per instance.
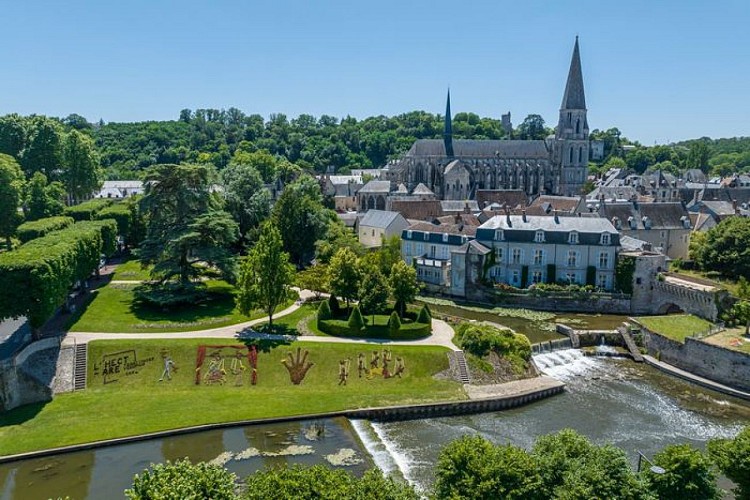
(13, 135)
(726, 247)
(185, 224)
(344, 275)
(263, 161)
(82, 174)
(43, 199)
(404, 285)
(732, 456)
(698, 156)
(265, 275)
(11, 194)
(44, 152)
(374, 292)
(247, 199)
(300, 216)
(532, 127)
(688, 475)
(337, 236)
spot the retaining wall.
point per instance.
(726, 366)
(18, 388)
(590, 305)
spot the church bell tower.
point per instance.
(572, 134)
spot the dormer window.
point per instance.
(631, 222)
(408, 235)
(646, 222)
(445, 237)
(499, 236)
(605, 239)
(685, 222)
(573, 237)
(539, 237)
(426, 236)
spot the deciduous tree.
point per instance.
(82, 174)
(44, 152)
(43, 199)
(11, 194)
(344, 275)
(301, 218)
(726, 248)
(265, 275)
(183, 480)
(404, 285)
(688, 475)
(732, 456)
(374, 292)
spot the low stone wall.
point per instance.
(590, 338)
(726, 366)
(593, 305)
(18, 384)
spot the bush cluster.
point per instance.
(480, 340)
(88, 209)
(36, 229)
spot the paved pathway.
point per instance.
(513, 388)
(696, 379)
(442, 333)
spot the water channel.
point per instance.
(610, 400)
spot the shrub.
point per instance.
(333, 304)
(88, 209)
(356, 322)
(324, 311)
(479, 340)
(170, 295)
(122, 215)
(394, 323)
(424, 315)
(183, 480)
(36, 229)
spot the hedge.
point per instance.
(341, 328)
(36, 278)
(108, 229)
(36, 229)
(121, 213)
(88, 209)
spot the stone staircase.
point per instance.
(79, 367)
(630, 343)
(463, 369)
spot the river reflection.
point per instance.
(105, 473)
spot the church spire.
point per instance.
(574, 97)
(448, 130)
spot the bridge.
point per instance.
(675, 292)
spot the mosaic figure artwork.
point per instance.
(169, 366)
(297, 366)
(381, 365)
(115, 365)
(220, 364)
(343, 371)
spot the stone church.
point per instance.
(455, 169)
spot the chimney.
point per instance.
(557, 218)
(523, 215)
(458, 219)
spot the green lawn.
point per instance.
(131, 270)
(111, 310)
(138, 403)
(675, 326)
(287, 325)
(720, 282)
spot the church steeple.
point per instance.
(574, 97)
(448, 129)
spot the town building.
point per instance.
(379, 225)
(119, 189)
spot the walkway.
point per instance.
(442, 333)
(690, 377)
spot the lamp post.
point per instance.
(654, 468)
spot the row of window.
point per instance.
(426, 236)
(538, 276)
(573, 257)
(539, 237)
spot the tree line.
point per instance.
(565, 465)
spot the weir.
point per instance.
(551, 345)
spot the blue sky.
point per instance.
(659, 70)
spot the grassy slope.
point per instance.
(131, 271)
(111, 310)
(677, 326)
(140, 403)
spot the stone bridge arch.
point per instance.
(672, 292)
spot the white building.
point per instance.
(378, 225)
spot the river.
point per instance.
(610, 400)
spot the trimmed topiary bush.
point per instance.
(356, 321)
(41, 227)
(424, 315)
(333, 305)
(394, 324)
(88, 209)
(324, 311)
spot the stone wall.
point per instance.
(590, 305)
(27, 377)
(726, 366)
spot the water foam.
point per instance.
(376, 447)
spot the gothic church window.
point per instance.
(580, 154)
(571, 154)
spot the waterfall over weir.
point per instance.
(551, 345)
(564, 363)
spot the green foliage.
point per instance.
(314, 278)
(732, 457)
(44, 149)
(404, 285)
(480, 339)
(356, 322)
(688, 475)
(187, 232)
(43, 199)
(82, 174)
(337, 237)
(266, 274)
(743, 288)
(624, 274)
(424, 315)
(183, 480)
(108, 230)
(374, 292)
(169, 296)
(394, 324)
(88, 209)
(11, 193)
(385, 256)
(532, 128)
(726, 248)
(472, 467)
(333, 303)
(324, 311)
(122, 214)
(345, 275)
(246, 197)
(38, 228)
(300, 216)
(326, 483)
(36, 278)
(13, 135)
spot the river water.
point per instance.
(609, 400)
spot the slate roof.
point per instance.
(574, 97)
(504, 197)
(456, 233)
(556, 229)
(380, 218)
(466, 219)
(417, 209)
(459, 205)
(629, 243)
(376, 187)
(345, 179)
(612, 192)
(472, 246)
(665, 215)
(545, 204)
(474, 148)
(402, 189)
(422, 189)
